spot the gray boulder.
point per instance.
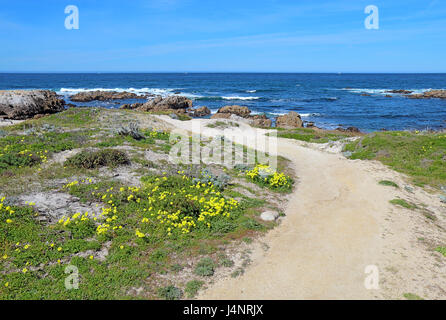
(25, 104)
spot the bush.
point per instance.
(132, 131)
(91, 160)
(205, 267)
(170, 293)
(192, 288)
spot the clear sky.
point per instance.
(223, 36)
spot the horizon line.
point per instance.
(209, 72)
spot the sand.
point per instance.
(338, 222)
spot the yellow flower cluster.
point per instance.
(74, 219)
(267, 175)
(6, 211)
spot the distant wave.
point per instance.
(155, 91)
(240, 98)
(217, 98)
(251, 91)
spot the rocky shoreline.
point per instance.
(25, 104)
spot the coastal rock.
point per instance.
(400, 91)
(104, 96)
(221, 116)
(349, 129)
(25, 104)
(439, 94)
(171, 104)
(131, 106)
(201, 112)
(290, 120)
(269, 216)
(243, 112)
(310, 125)
(261, 121)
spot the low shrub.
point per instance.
(170, 293)
(205, 267)
(102, 158)
(192, 288)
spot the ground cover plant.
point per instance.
(421, 155)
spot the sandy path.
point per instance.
(339, 220)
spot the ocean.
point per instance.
(328, 100)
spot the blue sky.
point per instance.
(223, 36)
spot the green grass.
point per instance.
(442, 250)
(140, 244)
(312, 135)
(388, 183)
(412, 296)
(403, 203)
(192, 288)
(145, 259)
(419, 155)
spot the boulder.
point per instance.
(104, 96)
(261, 121)
(221, 116)
(170, 104)
(131, 106)
(25, 104)
(310, 125)
(439, 94)
(290, 120)
(400, 91)
(243, 112)
(349, 129)
(269, 216)
(201, 112)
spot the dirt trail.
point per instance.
(338, 221)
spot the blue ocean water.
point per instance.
(329, 100)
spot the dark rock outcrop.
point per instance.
(240, 111)
(131, 106)
(25, 104)
(290, 120)
(261, 121)
(104, 96)
(170, 104)
(399, 91)
(201, 112)
(349, 129)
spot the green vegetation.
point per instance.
(412, 296)
(223, 124)
(205, 267)
(102, 158)
(388, 183)
(132, 240)
(266, 176)
(170, 293)
(403, 203)
(313, 135)
(192, 288)
(442, 250)
(420, 155)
